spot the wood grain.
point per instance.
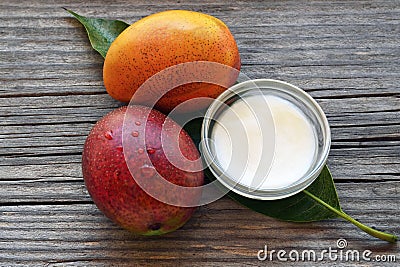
(346, 54)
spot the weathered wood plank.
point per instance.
(48, 109)
(347, 164)
(379, 195)
(69, 138)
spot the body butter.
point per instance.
(265, 139)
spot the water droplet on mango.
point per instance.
(109, 135)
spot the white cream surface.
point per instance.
(264, 148)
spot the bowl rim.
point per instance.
(265, 194)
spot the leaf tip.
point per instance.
(71, 12)
(66, 9)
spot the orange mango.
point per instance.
(166, 39)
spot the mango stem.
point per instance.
(378, 234)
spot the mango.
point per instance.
(167, 39)
(112, 184)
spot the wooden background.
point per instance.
(345, 54)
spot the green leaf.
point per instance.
(101, 32)
(300, 207)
